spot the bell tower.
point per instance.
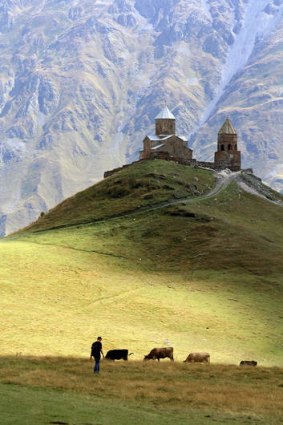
(165, 123)
(228, 155)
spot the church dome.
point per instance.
(165, 114)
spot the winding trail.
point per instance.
(223, 179)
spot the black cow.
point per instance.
(160, 353)
(118, 354)
(248, 363)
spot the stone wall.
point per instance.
(228, 159)
(205, 164)
(165, 126)
(145, 153)
(190, 162)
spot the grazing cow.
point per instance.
(160, 353)
(198, 358)
(248, 363)
(118, 354)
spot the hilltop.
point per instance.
(141, 185)
(81, 83)
(158, 253)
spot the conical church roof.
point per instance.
(165, 114)
(227, 128)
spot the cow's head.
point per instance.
(146, 357)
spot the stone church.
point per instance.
(166, 144)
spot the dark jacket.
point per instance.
(96, 349)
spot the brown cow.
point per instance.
(198, 358)
(160, 353)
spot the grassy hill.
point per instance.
(140, 185)
(202, 274)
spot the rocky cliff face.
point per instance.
(81, 83)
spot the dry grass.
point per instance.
(227, 389)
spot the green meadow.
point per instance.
(145, 259)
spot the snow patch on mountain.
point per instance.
(256, 24)
(206, 7)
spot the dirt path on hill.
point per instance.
(223, 179)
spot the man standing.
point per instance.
(96, 350)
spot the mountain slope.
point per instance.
(200, 273)
(82, 83)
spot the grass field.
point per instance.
(55, 300)
(203, 275)
(58, 390)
